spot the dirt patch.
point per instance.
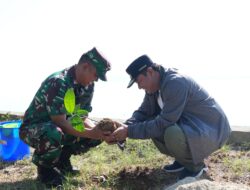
(144, 178)
(224, 166)
(230, 166)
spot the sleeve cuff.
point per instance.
(130, 131)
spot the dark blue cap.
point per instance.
(137, 67)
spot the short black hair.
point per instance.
(154, 66)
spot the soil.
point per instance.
(150, 178)
(107, 124)
(237, 173)
(110, 125)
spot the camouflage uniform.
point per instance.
(37, 129)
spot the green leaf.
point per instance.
(81, 112)
(77, 123)
(77, 107)
(69, 100)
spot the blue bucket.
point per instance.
(12, 147)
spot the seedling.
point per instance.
(75, 112)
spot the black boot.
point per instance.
(49, 176)
(64, 164)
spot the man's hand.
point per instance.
(121, 133)
(97, 133)
(90, 131)
(88, 123)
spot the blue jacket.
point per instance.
(186, 103)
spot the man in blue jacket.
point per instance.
(181, 118)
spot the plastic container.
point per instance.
(12, 147)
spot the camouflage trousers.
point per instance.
(48, 140)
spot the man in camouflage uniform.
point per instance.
(45, 126)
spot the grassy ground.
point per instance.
(137, 167)
(107, 161)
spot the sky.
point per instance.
(207, 40)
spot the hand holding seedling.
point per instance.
(78, 118)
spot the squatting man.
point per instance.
(179, 115)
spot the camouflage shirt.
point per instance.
(49, 99)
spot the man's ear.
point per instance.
(150, 71)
